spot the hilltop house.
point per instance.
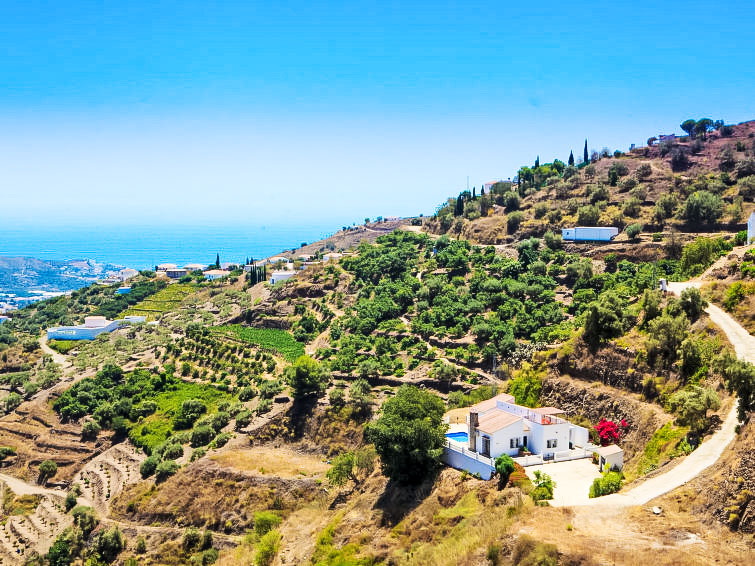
(332, 256)
(499, 426)
(127, 273)
(489, 185)
(751, 228)
(93, 326)
(194, 267)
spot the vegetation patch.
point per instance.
(659, 449)
(165, 300)
(273, 339)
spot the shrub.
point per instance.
(634, 230)
(109, 544)
(541, 209)
(609, 483)
(511, 201)
(306, 377)
(165, 470)
(644, 171)
(148, 467)
(173, 451)
(543, 486)
(679, 160)
(201, 436)
(702, 207)
(692, 303)
(190, 411)
(265, 521)
(267, 548)
(90, 429)
(47, 470)
(220, 440)
(526, 385)
(513, 221)
(632, 207)
(529, 552)
(243, 419)
(588, 215)
(552, 240)
(197, 453)
(504, 466)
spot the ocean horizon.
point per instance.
(143, 247)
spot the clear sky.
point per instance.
(183, 112)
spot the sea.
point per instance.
(143, 247)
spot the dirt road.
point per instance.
(709, 451)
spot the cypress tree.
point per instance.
(474, 193)
(537, 162)
(571, 158)
(459, 206)
(586, 157)
(217, 261)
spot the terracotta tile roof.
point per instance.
(496, 420)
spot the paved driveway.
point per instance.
(573, 480)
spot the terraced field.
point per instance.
(271, 339)
(161, 302)
(105, 476)
(24, 534)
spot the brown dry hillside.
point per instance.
(720, 164)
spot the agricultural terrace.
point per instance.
(470, 303)
(163, 301)
(271, 339)
(219, 357)
(148, 407)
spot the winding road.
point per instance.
(709, 451)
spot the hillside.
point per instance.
(687, 185)
(302, 422)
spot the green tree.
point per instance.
(504, 466)
(651, 305)
(47, 469)
(605, 319)
(665, 335)
(409, 435)
(585, 155)
(689, 126)
(692, 405)
(571, 158)
(217, 261)
(351, 466)
(740, 378)
(306, 376)
(588, 215)
(109, 544)
(634, 230)
(702, 207)
(692, 303)
(525, 386)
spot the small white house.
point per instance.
(166, 266)
(610, 457)
(93, 326)
(213, 274)
(332, 256)
(279, 276)
(751, 228)
(194, 267)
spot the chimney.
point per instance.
(473, 422)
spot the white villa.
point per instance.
(93, 326)
(194, 267)
(531, 436)
(332, 256)
(279, 276)
(500, 426)
(213, 274)
(751, 228)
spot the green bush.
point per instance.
(265, 521)
(634, 230)
(609, 483)
(165, 470)
(513, 221)
(201, 436)
(148, 467)
(267, 548)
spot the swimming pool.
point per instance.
(458, 436)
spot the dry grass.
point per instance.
(280, 462)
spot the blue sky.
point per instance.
(241, 111)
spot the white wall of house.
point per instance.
(579, 435)
(548, 439)
(504, 441)
(751, 228)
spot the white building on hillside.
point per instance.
(93, 326)
(127, 273)
(214, 274)
(751, 228)
(279, 276)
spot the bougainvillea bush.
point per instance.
(610, 432)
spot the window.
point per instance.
(514, 443)
(552, 443)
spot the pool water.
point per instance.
(458, 436)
